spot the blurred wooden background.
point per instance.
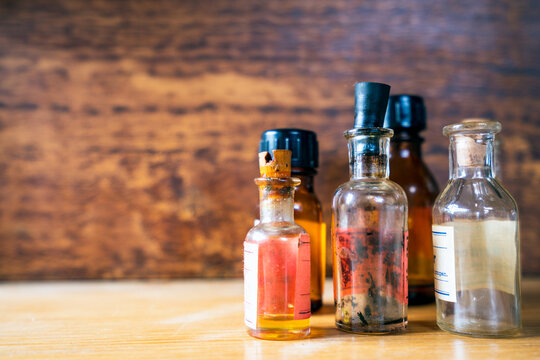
(129, 129)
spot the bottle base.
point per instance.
(280, 327)
(273, 334)
(395, 327)
(421, 294)
(480, 333)
(315, 305)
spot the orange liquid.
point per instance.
(279, 304)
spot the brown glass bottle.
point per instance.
(308, 214)
(307, 207)
(406, 116)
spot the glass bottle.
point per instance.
(307, 207)
(277, 258)
(369, 227)
(476, 240)
(406, 115)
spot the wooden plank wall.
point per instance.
(129, 129)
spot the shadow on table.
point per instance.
(531, 329)
(325, 310)
(415, 327)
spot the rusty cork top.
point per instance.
(276, 166)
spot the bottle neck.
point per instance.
(368, 153)
(276, 199)
(306, 177)
(406, 146)
(471, 155)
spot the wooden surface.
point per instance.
(203, 319)
(129, 130)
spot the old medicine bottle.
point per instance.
(369, 226)
(476, 240)
(307, 207)
(406, 115)
(277, 258)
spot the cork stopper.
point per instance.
(470, 138)
(276, 166)
(470, 151)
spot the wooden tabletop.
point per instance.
(204, 319)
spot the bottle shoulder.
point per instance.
(475, 198)
(384, 190)
(362, 185)
(417, 181)
(280, 229)
(307, 207)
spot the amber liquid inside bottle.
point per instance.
(408, 170)
(308, 214)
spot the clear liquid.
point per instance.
(487, 280)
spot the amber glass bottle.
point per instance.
(407, 117)
(307, 207)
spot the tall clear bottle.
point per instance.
(476, 240)
(369, 226)
(406, 115)
(277, 258)
(307, 207)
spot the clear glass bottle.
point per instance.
(307, 207)
(476, 240)
(369, 227)
(277, 258)
(406, 115)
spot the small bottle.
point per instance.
(369, 226)
(406, 115)
(476, 240)
(307, 207)
(277, 258)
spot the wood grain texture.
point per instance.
(203, 319)
(129, 130)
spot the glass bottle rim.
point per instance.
(281, 182)
(375, 131)
(473, 126)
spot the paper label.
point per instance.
(405, 266)
(444, 263)
(302, 304)
(251, 271)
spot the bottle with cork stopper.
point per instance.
(476, 239)
(369, 226)
(277, 258)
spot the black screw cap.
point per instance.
(370, 101)
(405, 113)
(302, 143)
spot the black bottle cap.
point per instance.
(302, 143)
(405, 113)
(370, 100)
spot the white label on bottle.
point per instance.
(444, 262)
(251, 282)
